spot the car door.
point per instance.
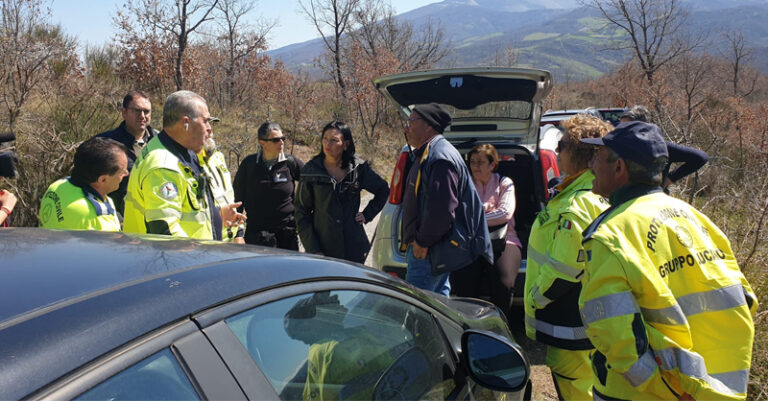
(174, 362)
(335, 340)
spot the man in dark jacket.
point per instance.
(134, 132)
(444, 223)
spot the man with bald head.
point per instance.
(167, 190)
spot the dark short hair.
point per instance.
(266, 127)
(132, 95)
(346, 134)
(96, 157)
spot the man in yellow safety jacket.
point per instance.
(556, 262)
(80, 202)
(168, 191)
(663, 299)
(220, 183)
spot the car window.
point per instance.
(514, 109)
(158, 377)
(347, 345)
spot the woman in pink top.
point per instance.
(498, 196)
(480, 280)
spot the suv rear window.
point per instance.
(514, 109)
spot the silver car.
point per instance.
(495, 105)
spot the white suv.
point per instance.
(493, 105)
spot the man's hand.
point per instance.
(239, 240)
(419, 252)
(230, 216)
(360, 218)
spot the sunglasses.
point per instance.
(562, 145)
(274, 140)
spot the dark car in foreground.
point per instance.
(93, 315)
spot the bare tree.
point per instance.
(29, 50)
(178, 18)
(335, 15)
(414, 48)
(654, 30)
(739, 54)
(242, 39)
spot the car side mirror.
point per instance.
(493, 361)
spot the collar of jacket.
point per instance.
(631, 191)
(101, 205)
(260, 157)
(315, 166)
(127, 138)
(186, 156)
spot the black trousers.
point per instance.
(283, 238)
(482, 280)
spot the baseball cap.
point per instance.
(638, 141)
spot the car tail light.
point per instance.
(396, 185)
(549, 168)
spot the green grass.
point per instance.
(540, 36)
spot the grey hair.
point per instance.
(637, 113)
(639, 174)
(179, 104)
(266, 128)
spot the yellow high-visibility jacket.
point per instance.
(68, 206)
(220, 183)
(162, 187)
(665, 303)
(556, 262)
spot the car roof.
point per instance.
(67, 297)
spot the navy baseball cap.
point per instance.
(635, 140)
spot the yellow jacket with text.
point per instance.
(556, 263)
(664, 302)
(68, 206)
(162, 188)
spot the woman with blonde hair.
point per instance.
(556, 262)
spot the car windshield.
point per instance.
(515, 109)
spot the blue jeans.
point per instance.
(419, 273)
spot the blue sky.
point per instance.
(91, 20)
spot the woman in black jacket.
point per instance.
(327, 202)
(265, 183)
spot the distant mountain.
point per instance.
(558, 35)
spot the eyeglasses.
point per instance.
(140, 111)
(407, 122)
(275, 139)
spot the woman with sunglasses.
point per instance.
(265, 183)
(327, 202)
(556, 261)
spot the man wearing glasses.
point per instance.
(168, 191)
(134, 132)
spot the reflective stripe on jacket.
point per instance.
(556, 263)
(220, 183)
(665, 304)
(68, 206)
(162, 188)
